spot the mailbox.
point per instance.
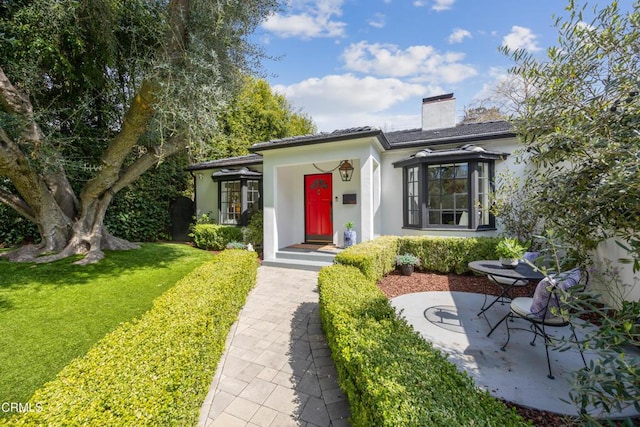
(349, 199)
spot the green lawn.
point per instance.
(53, 313)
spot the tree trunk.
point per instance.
(71, 225)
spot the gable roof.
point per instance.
(462, 133)
(250, 159)
(472, 132)
(319, 138)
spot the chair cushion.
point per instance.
(543, 302)
(522, 307)
(531, 256)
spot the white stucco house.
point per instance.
(434, 180)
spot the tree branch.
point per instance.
(17, 204)
(135, 123)
(17, 103)
(133, 172)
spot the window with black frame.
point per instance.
(230, 202)
(449, 189)
(238, 195)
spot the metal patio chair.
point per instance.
(545, 309)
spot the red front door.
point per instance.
(318, 197)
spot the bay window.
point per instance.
(448, 189)
(238, 195)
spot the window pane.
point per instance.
(462, 170)
(461, 201)
(448, 194)
(253, 196)
(484, 190)
(230, 202)
(412, 189)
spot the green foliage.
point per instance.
(515, 209)
(235, 245)
(349, 225)
(53, 313)
(510, 248)
(15, 229)
(449, 254)
(374, 258)
(155, 370)
(141, 212)
(81, 63)
(215, 237)
(407, 259)
(579, 125)
(391, 376)
(255, 229)
(256, 114)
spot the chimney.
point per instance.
(439, 112)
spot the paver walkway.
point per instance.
(277, 368)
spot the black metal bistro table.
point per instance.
(522, 272)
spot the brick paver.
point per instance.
(277, 368)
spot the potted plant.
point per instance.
(349, 234)
(407, 263)
(509, 251)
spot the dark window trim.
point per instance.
(244, 212)
(472, 161)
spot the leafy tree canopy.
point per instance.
(580, 124)
(256, 114)
(110, 87)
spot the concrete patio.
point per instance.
(449, 321)
(277, 368)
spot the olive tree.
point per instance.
(580, 128)
(580, 125)
(119, 85)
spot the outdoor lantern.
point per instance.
(346, 170)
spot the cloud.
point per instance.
(443, 5)
(378, 21)
(342, 101)
(459, 35)
(439, 5)
(521, 38)
(422, 63)
(308, 19)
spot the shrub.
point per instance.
(155, 370)
(449, 254)
(391, 375)
(255, 229)
(373, 258)
(215, 237)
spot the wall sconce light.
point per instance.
(346, 170)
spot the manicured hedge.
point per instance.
(391, 376)
(215, 237)
(373, 258)
(376, 258)
(449, 254)
(156, 370)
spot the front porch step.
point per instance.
(301, 260)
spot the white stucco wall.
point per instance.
(206, 194)
(629, 282)
(283, 190)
